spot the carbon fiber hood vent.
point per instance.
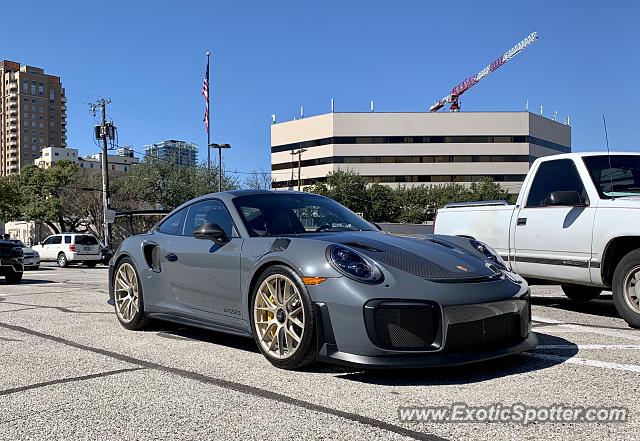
(432, 260)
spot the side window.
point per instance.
(174, 223)
(558, 175)
(48, 240)
(208, 212)
(67, 239)
(56, 240)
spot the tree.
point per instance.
(487, 190)
(43, 192)
(157, 183)
(10, 197)
(383, 206)
(346, 187)
(258, 180)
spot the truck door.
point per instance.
(553, 229)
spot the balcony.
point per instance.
(63, 99)
(13, 95)
(13, 127)
(13, 143)
(13, 85)
(63, 107)
(13, 105)
(13, 112)
(13, 120)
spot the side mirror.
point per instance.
(211, 232)
(565, 198)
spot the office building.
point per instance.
(409, 149)
(178, 152)
(33, 114)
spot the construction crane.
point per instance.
(461, 88)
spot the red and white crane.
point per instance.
(461, 88)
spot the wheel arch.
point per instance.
(614, 251)
(258, 272)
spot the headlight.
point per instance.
(354, 265)
(489, 253)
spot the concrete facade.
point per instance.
(415, 148)
(33, 114)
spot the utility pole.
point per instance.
(298, 152)
(105, 131)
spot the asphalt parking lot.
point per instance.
(70, 371)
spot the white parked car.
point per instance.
(69, 248)
(31, 256)
(576, 222)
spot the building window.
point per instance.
(52, 95)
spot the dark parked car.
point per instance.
(310, 280)
(11, 261)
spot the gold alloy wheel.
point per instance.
(126, 293)
(631, 289)
(279, 316)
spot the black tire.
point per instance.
(306, 352)
(62, 260)
(627, 266)
(13, 278)
(581, 293)
(140, 320)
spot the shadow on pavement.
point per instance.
(27, 282)
(602, 306)
(470, 373)
(180, 332)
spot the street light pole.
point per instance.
(219, 147)
(298, 152)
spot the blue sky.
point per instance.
(273, 57)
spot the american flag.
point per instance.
(205, 94)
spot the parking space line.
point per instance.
(559, 326)
(66, 380)
(234, 386)
(584, 362)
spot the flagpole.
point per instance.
(208, 115)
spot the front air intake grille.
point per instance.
(404, 326)
(478, 335)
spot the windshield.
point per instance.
(621, 179)
(17, 242)
(274, 214)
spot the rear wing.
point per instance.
(476, 204)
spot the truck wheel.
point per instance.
(581, 293)
(626, 288)
(13, 278)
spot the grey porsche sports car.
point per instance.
(310, 280)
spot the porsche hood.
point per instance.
(433, 258)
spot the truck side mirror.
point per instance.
(564, 198)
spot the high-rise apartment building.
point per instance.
(33, 115)
(178, 152)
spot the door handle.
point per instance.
(171, 257)
(522, 221)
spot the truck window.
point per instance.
(615, 176)
(555, 175)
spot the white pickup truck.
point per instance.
(576, 222)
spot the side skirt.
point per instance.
(199, 324)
